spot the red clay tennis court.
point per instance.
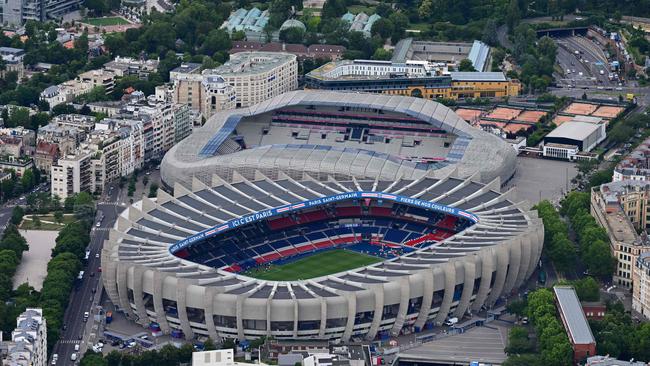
(516, 127)
(558, 120)
(530, 116)
(469, 115)
(607, 111)
(580, 108)
(504, 113)
(492, 123)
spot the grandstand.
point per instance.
(341, 134)
(235, 258)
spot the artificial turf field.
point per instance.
(319, 264)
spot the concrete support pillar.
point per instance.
(122, 269)
(503, 256)
(352, 311)
(208, 308)
(450, 283)
(515, 264)
(487, 266)
(378, 292)
(470, 276)
(323, 317)
(158, 280)
(427, 298)
(526, 253)
(138, 294)
(405, 295)
(181, 304)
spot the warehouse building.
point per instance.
(575, 323)
(573, 139)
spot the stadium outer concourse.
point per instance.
(426, 276)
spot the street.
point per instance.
(83, 298)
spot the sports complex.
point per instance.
(322, 215)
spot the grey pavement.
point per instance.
(541, 179)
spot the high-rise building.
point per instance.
(16, 12)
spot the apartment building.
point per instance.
(258, 76)
(218, 95)
(79, 121)
(621, 208)
(98, 78)
(28, 345)
(72, 174)
(115, 148)
(13, 60)
(641, 285)
(127, 66)
(635, 166)
(46, 155)
(65, 92)
(205, 92)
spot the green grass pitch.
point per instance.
(319, 264)
(98, 22)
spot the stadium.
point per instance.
(290, 251)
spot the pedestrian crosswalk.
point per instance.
(70, 341)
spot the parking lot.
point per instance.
(482, 344)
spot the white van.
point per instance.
(451, 321)
(73, 357)
(76, 347)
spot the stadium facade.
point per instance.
(445, 242)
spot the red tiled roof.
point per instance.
(47, 148)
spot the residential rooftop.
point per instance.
(244, 63)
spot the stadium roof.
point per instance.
(574, 318)
(574, 130)
(470, 151)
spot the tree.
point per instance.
(518, 341)
(383, 28)
(17, 214)
(334, 8)
(91, 358)
(513, 15)
(490, 32)
(58, 216)
(153, 190)
(382, 54)
(292, 35)
(466, 65)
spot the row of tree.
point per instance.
(552, 348)
(557, 245)
(594, 242)
(12, 246)
(14, 186)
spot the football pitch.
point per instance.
(98, 22)
(319, 264)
